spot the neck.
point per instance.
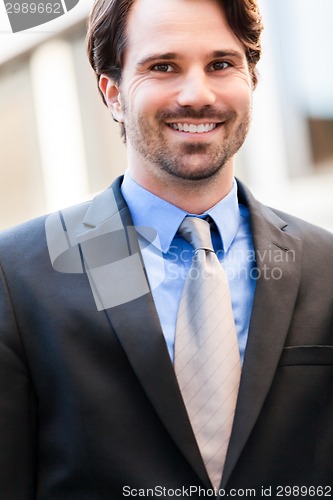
(192, 196)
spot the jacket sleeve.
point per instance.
(17, 409)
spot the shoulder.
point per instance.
(23, 235)
(305, 229)
(28, 241)
(268, 217)
(316, 241)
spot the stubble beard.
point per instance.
(188, 161)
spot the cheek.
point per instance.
(147, 103)
(237, 96)
(147, 96)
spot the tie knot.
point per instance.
(196, 231)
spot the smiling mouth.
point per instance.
(192, 128)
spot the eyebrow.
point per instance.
(227, 53)
(170, 56)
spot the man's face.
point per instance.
(186, 89)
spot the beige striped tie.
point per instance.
(207, 361)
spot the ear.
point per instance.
(111, 93)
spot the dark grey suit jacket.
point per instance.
(89, 402)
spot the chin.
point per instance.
(196, 172)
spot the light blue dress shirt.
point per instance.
(169, 257)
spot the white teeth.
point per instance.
(194, 129)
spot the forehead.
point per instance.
(169, 25)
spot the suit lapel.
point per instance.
(278, 259)
(135, 321)
(140, 334)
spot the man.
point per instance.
(92, 402)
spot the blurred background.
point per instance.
(59, 145)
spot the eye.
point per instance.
(219, 65)
(162, 67)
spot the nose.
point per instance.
(196, 90)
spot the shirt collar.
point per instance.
(148, 210)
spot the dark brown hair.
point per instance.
(106, 37)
